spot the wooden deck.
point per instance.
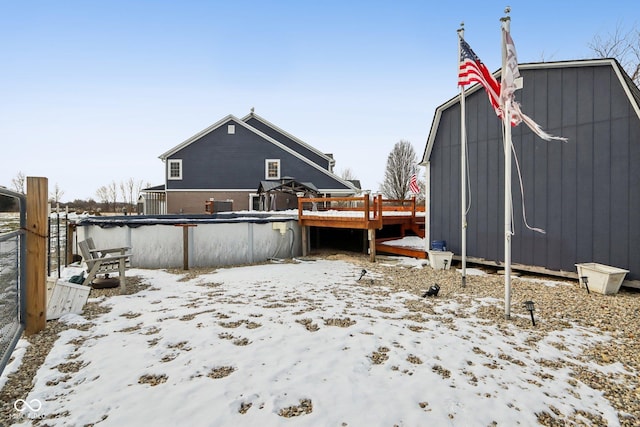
(360, 213)
(381, 247)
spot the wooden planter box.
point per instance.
(66, 297)
(602, 278)
(437, 259)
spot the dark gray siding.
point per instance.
(585, 193)
(285, 140)
(222, 161)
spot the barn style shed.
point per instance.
(585, 193)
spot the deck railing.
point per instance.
(311, 210)
(376, 207)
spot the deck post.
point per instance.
(305, 240)
(372, 244)
(365, 241)
(413, 209)
(37, 206)
(378, 213)
(366, 210)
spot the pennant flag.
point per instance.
(511, 71)
(508, 86)
(413, 184)
(473, 70)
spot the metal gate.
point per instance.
(12, 281)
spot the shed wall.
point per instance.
(584, 193)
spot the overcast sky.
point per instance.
(93, 92)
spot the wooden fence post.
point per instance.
(69, 245)
(37, 194)
(185, 244)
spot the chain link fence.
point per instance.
(12, 282)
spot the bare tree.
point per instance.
(126, 190)
(140, 185)
(112, 194)
(103, 195)
(130, 190)
(18, 182)
(56, 194)
(401, 164)
(545, 57)
(622, 45)
(347, 174)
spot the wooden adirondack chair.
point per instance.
(104, 252)
(100, 261)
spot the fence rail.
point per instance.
(59, 241)
(12, 282)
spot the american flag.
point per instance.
(413, 184)
(472, 70)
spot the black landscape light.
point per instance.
(362, 273)
(585, 280)
(446, 261)
(432, 292)
(529, 306)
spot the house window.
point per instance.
(175, 169)
(272, 169)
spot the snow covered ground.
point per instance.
(413, 242)
(304, 344)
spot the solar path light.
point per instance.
(432, 292)
(529, 306)
(585, 280)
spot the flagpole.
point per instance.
(506, 124)
(463, 170)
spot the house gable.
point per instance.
(220, 159)
(289, 140)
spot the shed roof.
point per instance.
(632, 91)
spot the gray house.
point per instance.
(229, 160)
(584, 193)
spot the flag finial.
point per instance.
(507, 11)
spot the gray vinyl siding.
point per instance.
(584, 193)
(285, 140)
(237, 161)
